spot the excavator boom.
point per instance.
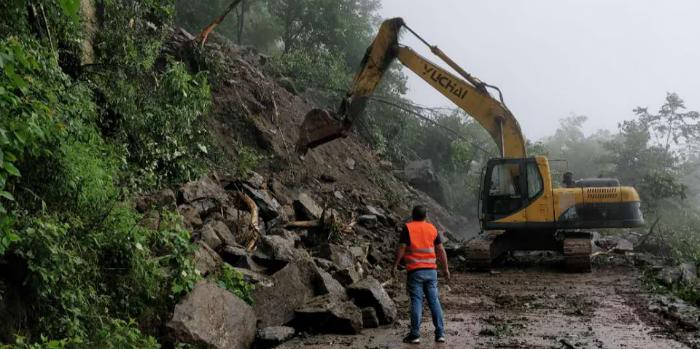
(321, 126)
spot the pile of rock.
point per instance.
(301, 284)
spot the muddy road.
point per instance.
(530, 308)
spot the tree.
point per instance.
(651, 151)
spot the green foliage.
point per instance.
(160, 124)
(118, 270)
(233, 281)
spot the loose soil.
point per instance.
(530, 308)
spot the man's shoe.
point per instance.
(411, 339)
(440, 339)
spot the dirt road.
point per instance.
(541, 308)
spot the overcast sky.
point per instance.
(554, 58)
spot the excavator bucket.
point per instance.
(319, 126)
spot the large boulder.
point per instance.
(328, 314)
(213, 317)
(270, 337)
(306, 208)
(275, 305)
(370, 293)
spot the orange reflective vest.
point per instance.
(421, 253)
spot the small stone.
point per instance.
(350, 163)
(368, 221)
(255, 180)
(270, 337)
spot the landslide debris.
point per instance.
(315, 236)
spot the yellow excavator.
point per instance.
(519, 208)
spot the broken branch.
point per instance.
(204, 34)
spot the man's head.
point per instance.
(568, 177)
(419, 213)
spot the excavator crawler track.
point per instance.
(577, 250)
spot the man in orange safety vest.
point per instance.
(420, 246)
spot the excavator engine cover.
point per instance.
(319, 126)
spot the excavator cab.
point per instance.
(509, 186)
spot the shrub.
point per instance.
(233, 281)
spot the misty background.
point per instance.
(554, 58)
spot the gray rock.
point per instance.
(368, 221)
(350, 163)
(206, 260)
(623, 245)
(275, 305)
(326, 284)
(273, 336)
(202, 189)
(255, 180)
(274, 248)
(375, 211)
(234, 255)
(255, 278)
(221, 230)
(689, 273)
(325, 264)
(370, 293)
(205, 206)
(306, 208)
(328, 314)
(162, 199)
(281, 193)
(369, 318)
(347, 276)
(340, 255)
(267, 204)
(284, 233)
(213, 317)
(190, 217)
(669, 275)
(209, 237)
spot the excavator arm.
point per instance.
(467, 92)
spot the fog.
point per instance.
(554, 58)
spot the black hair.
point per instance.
(419, 213)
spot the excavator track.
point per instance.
(575, 246)
(577, 250)
(478, 253)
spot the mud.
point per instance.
(532, 308)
